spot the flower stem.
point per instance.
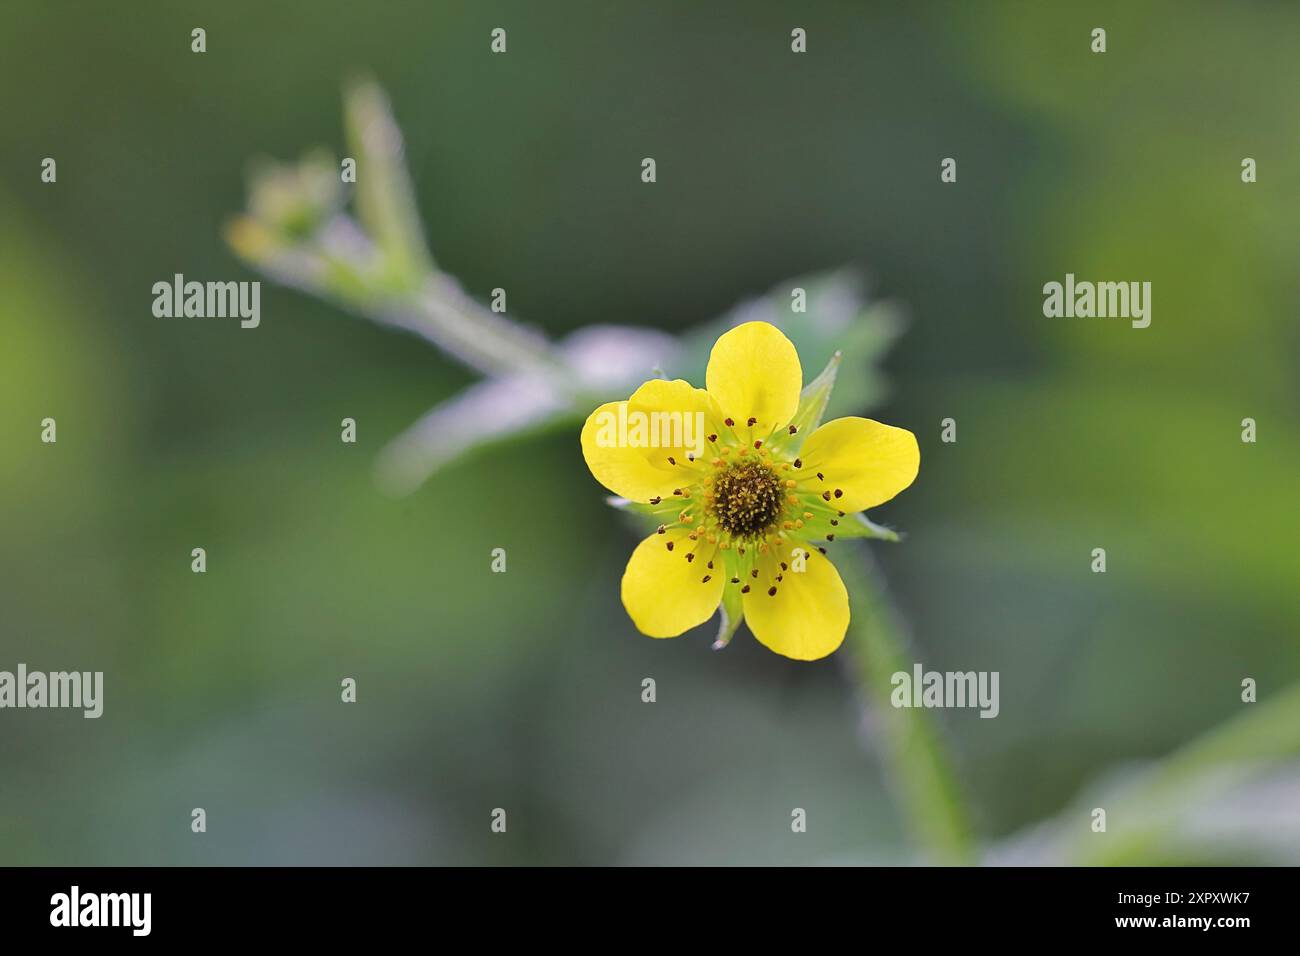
(910, 742)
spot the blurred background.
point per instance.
(522, 690)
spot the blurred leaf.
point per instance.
(837, 322)
(1202, 804)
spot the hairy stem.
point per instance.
(912, 747)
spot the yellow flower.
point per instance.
(743, 504)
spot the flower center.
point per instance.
(747, 499)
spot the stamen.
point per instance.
(746, 499)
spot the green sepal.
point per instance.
(860, 526)
(730, 613)
(815, 397)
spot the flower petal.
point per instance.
(809, 614)
(867, 462)
(663, 592)
(673, 421)
(754, 373)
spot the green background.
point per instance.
(522, 691)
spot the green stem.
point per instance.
(912, 746)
